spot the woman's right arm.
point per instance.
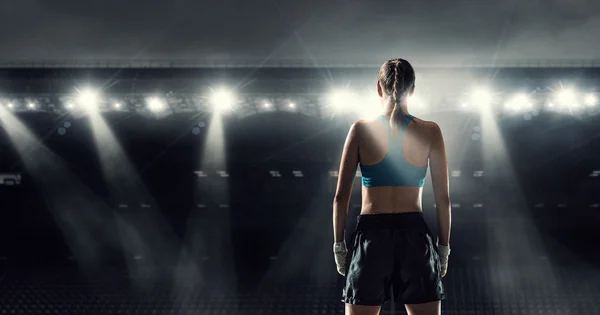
(439, 178)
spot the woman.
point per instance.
(392, 254)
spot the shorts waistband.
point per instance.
(400, 221)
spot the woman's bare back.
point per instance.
(373, 147)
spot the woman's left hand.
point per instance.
(340, 252)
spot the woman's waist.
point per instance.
(392, 220)
(391, 210)
(387, 206)
(392, 198)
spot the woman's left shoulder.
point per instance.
(424, 123)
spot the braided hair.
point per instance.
(397, 77)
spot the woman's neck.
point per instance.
(389, 108)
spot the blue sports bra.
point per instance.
(394, 169)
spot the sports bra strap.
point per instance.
(406, 121)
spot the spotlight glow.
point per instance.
(222, 100)
(292, 105)
(266, 105)
(519, 102)
(368, 104)
(88, 98)
(117, 105)
(69, 106)
(567, 97)
(10, 105)
(416, 102)
(342, 98)
(481, 97)
(591, 100)
(31, 106)
(155, 104)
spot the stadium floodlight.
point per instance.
(367, 104)
(519, 102)
(117, 105)
(31, 106)
(342, 98)
(590, 100)
(267, 105)
(88, 98)
(567, 97)
(155, 104)
(292, 105)
(481, 97)
(223, 99)
(10, 105)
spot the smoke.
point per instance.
(313, 32)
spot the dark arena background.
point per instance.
(172, 190)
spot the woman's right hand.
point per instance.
(340, 252)
(444, 252)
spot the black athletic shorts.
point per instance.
(392, 256)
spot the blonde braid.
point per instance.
(397, 114)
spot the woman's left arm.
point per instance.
(346, 175)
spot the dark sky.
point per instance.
(321, 32)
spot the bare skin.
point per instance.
(367, 144)
(430, 308)
(372, 149)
